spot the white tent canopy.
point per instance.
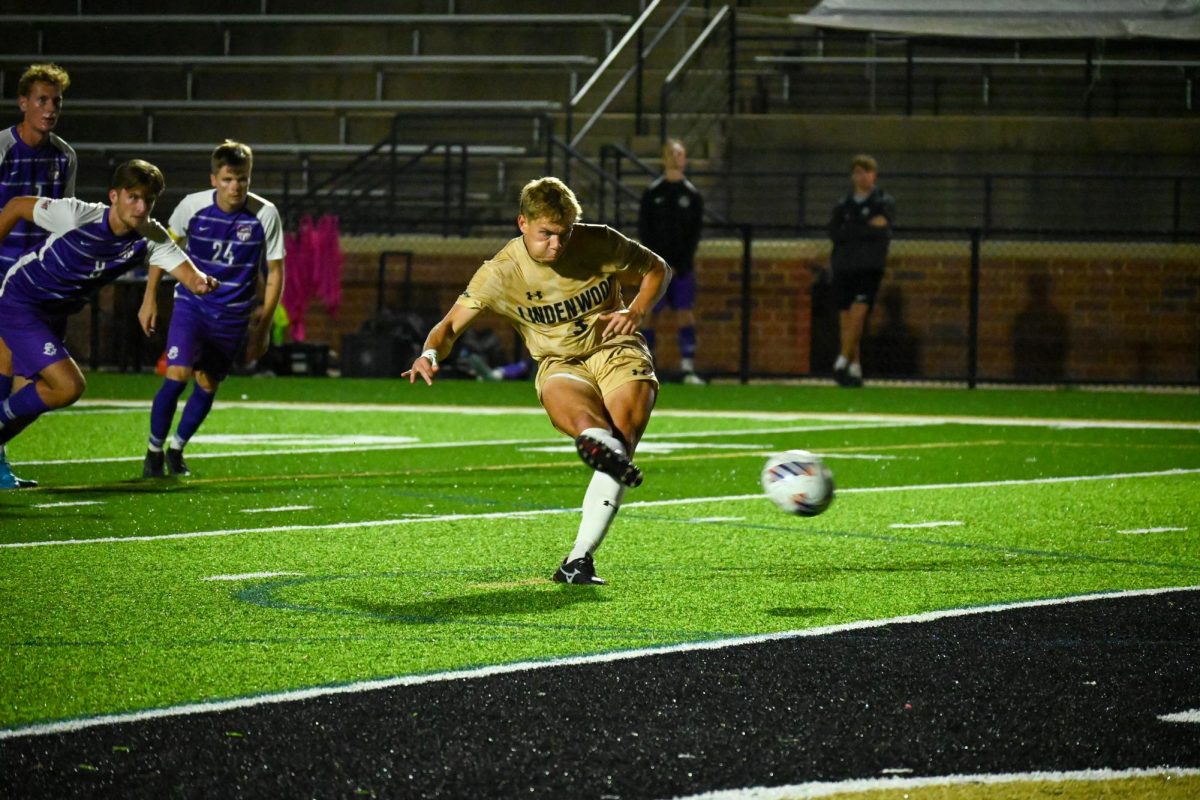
(1013, 19)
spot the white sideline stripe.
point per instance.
(1153, 530)
(250, 576)
(67, 726)
(804, 791)
(70, 503)
(1183, 716)
(274, 451)
(928, 419)
(680, 501)
(276, 508)
(946, 524)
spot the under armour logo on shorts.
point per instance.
(173, 352)
(49, 349)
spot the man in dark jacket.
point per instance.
(669, 222)
(861, 230)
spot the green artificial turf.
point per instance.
(426, 546)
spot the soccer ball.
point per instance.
(798, 482)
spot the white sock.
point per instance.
(176, 444)
(154, 448)
(841, 362)
(855, 369)
(687, 365)
(600, 505)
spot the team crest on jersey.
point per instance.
(684, 201)
(244, 231)
(128, 254)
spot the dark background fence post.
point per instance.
(973, 319)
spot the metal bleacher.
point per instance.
(310, 91)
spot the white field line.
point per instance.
(806, 791)
(532, 410)
(358, 448)
(525, 666)
(249, 576)
(1192, 715)
(69, 504)
(946, 524)
(276, 508)
(680, 501)
(1153, 530)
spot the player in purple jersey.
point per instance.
(33, 161)
(229, 231)
(90, 245)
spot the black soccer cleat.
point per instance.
(581, 570)
(175, 463)
(602, 458)
(152, 467)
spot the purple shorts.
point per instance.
(202, 343)
(34, 336)
(681, 293)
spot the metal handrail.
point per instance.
(669, 82)
(323, 19)
(1096, 63)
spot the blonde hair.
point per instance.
(46, 73)
(550, 198)
(865, 161)
(670, 145)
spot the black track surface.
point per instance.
(1065, 687)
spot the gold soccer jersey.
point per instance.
(556, 306)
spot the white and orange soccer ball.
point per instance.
(798, 482)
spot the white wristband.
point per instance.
(431, 355)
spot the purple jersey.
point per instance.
(46, 171)
(230, 246)
(81, 255)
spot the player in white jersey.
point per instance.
(90, 246)
(557, 283)
(33, 161)
(229, 232)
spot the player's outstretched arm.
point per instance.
(148, 313)
(15, 210)
(193, 279)
(439, 343)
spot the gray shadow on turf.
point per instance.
(522, 600)
(799, 612)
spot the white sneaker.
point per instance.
(692, 379)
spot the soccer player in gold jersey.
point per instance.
(557, 283)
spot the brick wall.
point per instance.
(1048, 311)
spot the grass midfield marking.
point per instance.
(66, 726)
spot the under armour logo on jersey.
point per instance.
(49, 349)
(534, 295)
(642, 371)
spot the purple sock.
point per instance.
(6, 382)
(19, 410)
(515, 371)
(163, 410)
(194, 411)
(687, 342)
